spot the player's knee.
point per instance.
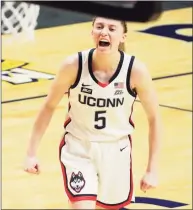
(83, 205)
(98, 208)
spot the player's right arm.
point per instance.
(65, 77)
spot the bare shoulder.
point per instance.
(140, 73)
(140, 68)
(69, 68)
(70, 63)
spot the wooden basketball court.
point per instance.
(27, 72)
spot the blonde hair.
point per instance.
(124, 24)
(122, 46)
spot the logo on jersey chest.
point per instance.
(100, 102)
(119, 85)
(118, 92)
(86, 90)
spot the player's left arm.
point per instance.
(142, 82)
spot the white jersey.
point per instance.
(101, 112)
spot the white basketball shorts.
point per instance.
(98, 171)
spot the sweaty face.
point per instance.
(107, 34)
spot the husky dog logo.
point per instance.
(77, 182)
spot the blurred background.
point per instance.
(50, 17)
(28, 65)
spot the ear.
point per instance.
(124, 36)
(79, 174)
(73, 174)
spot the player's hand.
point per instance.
(148, 181)
(31, 165)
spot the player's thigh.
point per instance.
(79, 173)
(115, 176)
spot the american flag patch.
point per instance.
(119, 84)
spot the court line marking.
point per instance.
(42, 96)
(155, 78)
(172, 107)
(23, 99)
(172, 75)
(158, 202)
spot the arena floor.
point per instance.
(27, 71)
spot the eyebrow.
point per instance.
(100, 23)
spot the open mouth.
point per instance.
(104, 43)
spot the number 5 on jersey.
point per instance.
(100, 119)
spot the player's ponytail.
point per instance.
(122, 46)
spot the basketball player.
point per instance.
(95, 152)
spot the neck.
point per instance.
(105, 62)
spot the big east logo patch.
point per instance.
(16, 73)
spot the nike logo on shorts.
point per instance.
(123, 148)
